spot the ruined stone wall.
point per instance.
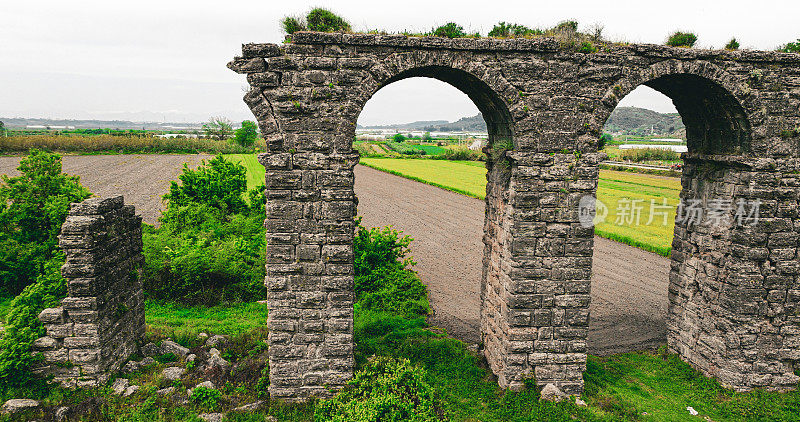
(547, 103)
(97, 326)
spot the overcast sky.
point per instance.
(165, 60)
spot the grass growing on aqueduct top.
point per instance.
(469, 178)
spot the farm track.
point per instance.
(629, 286)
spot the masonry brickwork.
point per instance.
(97, 326)
(734, 294)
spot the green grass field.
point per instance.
(430, 149)
(255, 171)
(615, 187)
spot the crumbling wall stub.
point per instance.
(97, 326)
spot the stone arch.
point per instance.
(718, 296)
(710, 100)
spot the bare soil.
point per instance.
(629, 286)
(143, 179)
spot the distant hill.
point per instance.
(640, 121)
(22, 123)
(407, 126)
(623, 121)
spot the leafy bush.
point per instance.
(323, 20)
(318, 19)
(732, 44)
(383, 281)
(33, 206)
(792, 47)
(206, 398)
(587, 47)
(404, 149)
(605, 138)
(247, 134)
(386, 389)
(512, 30)
(682, 39)
(291, 25)
(449, 30)
(460, 154)
(648, 154)
(398, 137)
(210, 246)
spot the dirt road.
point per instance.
(143, 179)
(629, 286)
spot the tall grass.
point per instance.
(118, 144)
(638, 155)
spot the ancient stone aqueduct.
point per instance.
(734, 294)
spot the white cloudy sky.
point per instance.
(165, 59)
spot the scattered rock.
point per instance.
(61, 413)
(19, 405)
(191, 357)
(552, 393)
(692, 411)
(169, 346)
(150, 350)
(262, 302)
(211, 417)
(202, 336)
(217, 361)
(216, 340)
(579, 402)
(214, 352)
(120, 384)
(270, 418)
(131, 367)
(250, 407)
(147, 361)
(173, 373)
(165, 391)
(130, 390)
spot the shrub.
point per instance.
(323, 20)
(604, 140)
(383, 281)
(732, 44)
(460, 154)
(682, 39)
(247, 134)
(218, 183)
(648, 154)
(404, 149)
(398, 137)
(291, 25)
(386, 389)
(792, 47)
(449, 30)
(206, 398)
(587, 47)
(509, 30)
(210, 246)
(33, 206)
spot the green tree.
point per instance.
(247, 134)
(604, 140)
(398, 137)
(33, 206)
(2, 129)
(427, 137)
(218, 128)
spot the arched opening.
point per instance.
(454, 231)
(687, 208)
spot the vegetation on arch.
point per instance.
(682, 39)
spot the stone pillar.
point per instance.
(310, 226)
(733, 292)
(96, 328)
(536, 310)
